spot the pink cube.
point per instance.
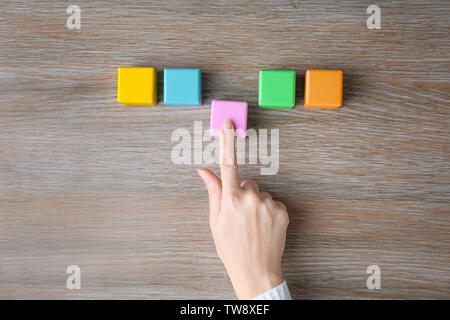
(236, 111)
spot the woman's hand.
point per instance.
(248, 226)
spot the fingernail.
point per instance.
(202, 175)
(227, 124)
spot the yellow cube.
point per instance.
(323, 89)
(137, 86)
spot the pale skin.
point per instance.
(248, 226)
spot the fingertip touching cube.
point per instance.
(276, 89)
(236, 111)
(137, 86)
(323, 89)
(182, 87)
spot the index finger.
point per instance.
(228, 165)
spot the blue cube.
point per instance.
(182, 87)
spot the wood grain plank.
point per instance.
(86, 181)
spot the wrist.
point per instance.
(249, 286)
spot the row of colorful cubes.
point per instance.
(183, 87)
(137, 86)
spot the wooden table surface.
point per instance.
(86, 181)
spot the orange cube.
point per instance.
(323, 89)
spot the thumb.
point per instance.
(214, 186)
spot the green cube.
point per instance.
(276, 89)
